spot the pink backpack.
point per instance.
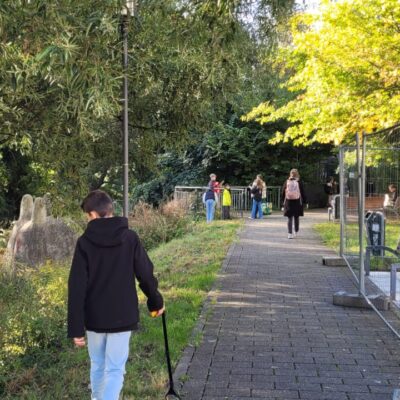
(292, 191)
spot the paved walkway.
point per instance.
(270, 330)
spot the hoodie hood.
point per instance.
(106, 232)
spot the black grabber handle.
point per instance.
(171, 392)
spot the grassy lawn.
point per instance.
(37, 362)
(330, 234)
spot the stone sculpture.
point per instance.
(37, 236)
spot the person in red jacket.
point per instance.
(214, 185)
(102, 297)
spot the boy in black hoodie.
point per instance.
(102, 298)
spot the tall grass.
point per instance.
(160, 225)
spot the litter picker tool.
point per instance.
(171, 394)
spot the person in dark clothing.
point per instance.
(256, 191)
(210, 200)
(293, 199)
(102, 297)
(211, 197)
(330, 189)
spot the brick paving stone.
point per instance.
(366, 396)
(276, 394)
(304, 395)
(345, 388)
(270, 330)
(381, 389)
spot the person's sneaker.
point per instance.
(290, 236)
(296, 234)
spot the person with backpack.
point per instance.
(293, 199)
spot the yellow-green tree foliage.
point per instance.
(345, 72)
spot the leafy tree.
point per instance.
(237, 152)
(60, 83)
(344, 64)
(240, 151)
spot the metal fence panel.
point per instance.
(350, 204)
(370, 224)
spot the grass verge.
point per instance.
(37, 362)
(330, 234)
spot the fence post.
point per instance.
(361, 207)
(241, 203)
(342, 194)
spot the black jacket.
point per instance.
(256, 192)
(210, 195)
(101, 287)
(293, 208)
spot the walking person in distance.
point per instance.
(293, 199)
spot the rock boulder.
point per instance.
(37, 236)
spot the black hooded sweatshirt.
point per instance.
(101, 287)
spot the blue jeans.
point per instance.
(108, 354)
(256, 205)
(210, 209)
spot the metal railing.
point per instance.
(241, 198)
(191, 196)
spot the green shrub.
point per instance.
(33, 321)
(4, 235)
(160, 225)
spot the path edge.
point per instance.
(182, 367)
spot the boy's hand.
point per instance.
(156, 314)
(79, 342)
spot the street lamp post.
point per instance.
(126, 12)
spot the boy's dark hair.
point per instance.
(98, 201)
